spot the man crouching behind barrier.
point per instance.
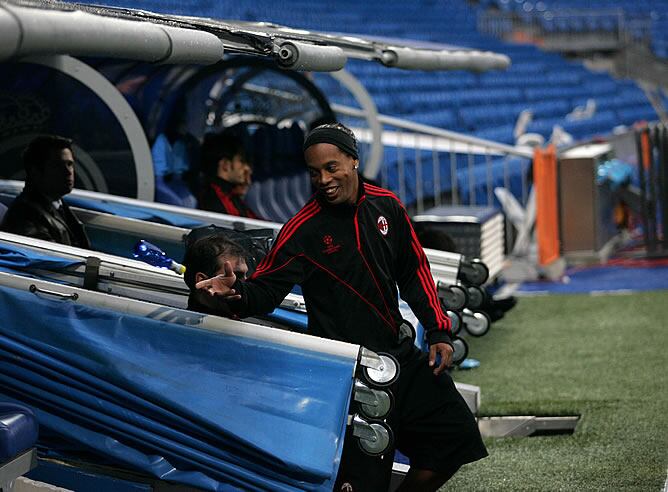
(350, 247)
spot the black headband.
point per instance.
(335, 136)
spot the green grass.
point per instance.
(602, 357)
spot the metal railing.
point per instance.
(429, 166)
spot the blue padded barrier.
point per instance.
(134, 212)
(15, 257)
(174, 401)
(293, 319)
(18, 430)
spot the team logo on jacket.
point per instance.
(330, 247)
(383, 227)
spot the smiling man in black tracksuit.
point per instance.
(350, 248)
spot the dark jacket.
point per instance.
(218, 196)
(32, 214)
(349, 260)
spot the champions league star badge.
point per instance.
(382, 225)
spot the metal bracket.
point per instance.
(18, 466)
(370, 359)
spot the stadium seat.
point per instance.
(486, 105)
(18, 437)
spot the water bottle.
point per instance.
(151, 254)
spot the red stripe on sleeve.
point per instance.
(288, 231)
(427, 281)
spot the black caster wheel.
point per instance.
(455, 321)
(477, 323)
(384, 404)
(378, 439)
(386, 375)
(474, 272)
(407, 330)
(454, 297)
(477, 297)
(461, 350)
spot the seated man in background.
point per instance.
(39, 211)
(205, 258)
(227, 174)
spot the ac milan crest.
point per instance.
(382, 225)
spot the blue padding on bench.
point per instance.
(175, 401)
(294, 319)
(18, 430)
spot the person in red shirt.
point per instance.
(227, 173)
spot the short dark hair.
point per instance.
(217, 146)
(202, 256)
(40, 149)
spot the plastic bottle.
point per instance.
(151, 254)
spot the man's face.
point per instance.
(237, 171)
(56, 178)
(239, 266)
(332, 173)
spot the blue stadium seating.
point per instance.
(485, 105)
(602, 18)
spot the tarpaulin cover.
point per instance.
(12, 256)
(177, 402)
(134, 212)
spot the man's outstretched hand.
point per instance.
(221, 285)
(445, 350)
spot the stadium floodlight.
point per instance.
(295, 55)
(412, 59)
(26, 31)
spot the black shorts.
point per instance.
(432, 426)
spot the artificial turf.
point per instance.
(601, 357)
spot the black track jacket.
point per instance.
(32, 214)
(218, 196)
(349, 260)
